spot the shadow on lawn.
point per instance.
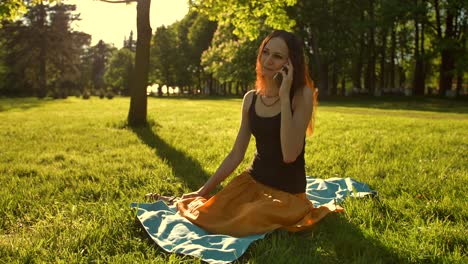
(333, 240)
(10, 104)
(185, 167)
(430, 104)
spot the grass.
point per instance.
(70, 168)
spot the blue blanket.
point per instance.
(174, 233)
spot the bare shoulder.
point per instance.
(247, 101)
(249, 94)
(307, 92)
(308, 95)
(304, 97)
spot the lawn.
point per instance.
(70, 168)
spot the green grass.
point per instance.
(70, 168)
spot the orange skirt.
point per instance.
(246, 207)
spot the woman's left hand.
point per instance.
(287, 72)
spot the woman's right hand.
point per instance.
(193, 194)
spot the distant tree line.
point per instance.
(41, 55)
(353, 46)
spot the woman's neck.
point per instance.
(271, 88)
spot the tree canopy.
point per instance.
(370, 47)
(13, 9)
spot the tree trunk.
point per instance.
(215, 87)
(334, 80)
(343, 85)
(459, 82)
(200, 71)
(210, 84)
(42, 91)
(323, 74)
(447, 66)
(423, 60)
(392, 84)
(357, 71)
(370, 74)
(383, 54)
(460, 72)
(138, 101)
(323, 78)
(159, 91)
(446, 72)
(418, 80)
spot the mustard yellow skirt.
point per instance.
(246, 207)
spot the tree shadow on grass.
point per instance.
(429, 104)
(333, 240)
(12, 104)
(184, 167)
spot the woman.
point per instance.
(271, 193)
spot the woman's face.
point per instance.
(274, 55)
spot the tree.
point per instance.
(101, 53)
(332, 56)
(13, 39)
(200, 36)
(130, 43)
(65, 48)
(138, 102)
(182, 61)
(138, 98)
(163, 55)
(120, 70)
(371, 44)
(37, 19)
(231, 59)
(41, 51)
(12, 9)
(246, 16)
(176, 52)
(451, 30)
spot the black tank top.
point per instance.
(268, 166)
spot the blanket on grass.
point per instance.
(174, 233)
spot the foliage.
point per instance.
(176, 51)
(366, 45)
(12, 9)
(130, 43)
(101, 53)
(120, 70)
(42, 53)
(230, 58)
(163, 55)
(359, 46)
(66, 48)
(246, 16)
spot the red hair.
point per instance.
(301, 75)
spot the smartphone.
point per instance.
(279, 77)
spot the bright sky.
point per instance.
(112, 22)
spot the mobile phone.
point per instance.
(279, 77)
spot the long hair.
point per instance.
(301, 75)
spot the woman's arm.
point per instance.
(293, 127)
(234, 158)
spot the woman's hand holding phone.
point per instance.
(284, 79)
